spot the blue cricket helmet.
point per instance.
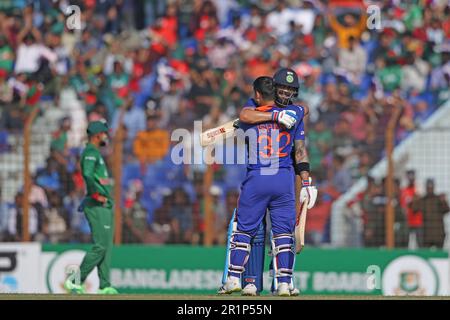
(286, 77)
(286, 86)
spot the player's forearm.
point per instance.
(251, 116)
(301, 155)
(302, 159)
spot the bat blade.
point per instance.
(300, 228)
(219, 133)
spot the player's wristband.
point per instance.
(302, 166)
(275, 115)
(96, 196)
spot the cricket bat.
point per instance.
(219, 133)
(300, 228)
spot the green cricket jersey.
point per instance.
(95, 173)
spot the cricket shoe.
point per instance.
(294, 291)
(73, 288)
(250, 290)
(283, 290)
(222, 290)
(108, 290)
(233, 284)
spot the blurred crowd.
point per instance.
(150, 66)
(418, 214)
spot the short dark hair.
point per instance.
(264, 85)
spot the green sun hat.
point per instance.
(95, 127)
(57, 28)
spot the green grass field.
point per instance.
(202, 297)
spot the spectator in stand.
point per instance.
(409, 194)
(389, 73)
(58, 145)
(235, 33)
(320, 143)
(49, 177)
(204, 84)
(421, 112)
(79, 230)
(359, 213)
(343, 142)
(58, 67)
(278, 20)
(374, 204)
(342, 179)
(170, 104)
(161, 224)
(401, 230)
(365, 162)
(310, 92)
(214, 118)
(152, 144)
(135, 227)
(220, 215)
(56, 220)
(6, 91)
(38, 196)
(358, 121)
(116, 54)
(15, 216)
(319, 215)
(31, 52)
(415, 73)
(440, 76)
(353, 61)
(119, 80)
(181, 215)
(433, 207)
(328, 109)
(350, 26)
(87, 47)
(205, 22)
(164, 32)
(133, 118)
(220, 54)
(6, 56)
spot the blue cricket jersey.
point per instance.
(269, 144)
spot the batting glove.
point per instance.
(287, 118)
(308, 192)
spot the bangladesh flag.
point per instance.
(34, 94)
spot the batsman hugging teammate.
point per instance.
(285, 120)
(98, 207)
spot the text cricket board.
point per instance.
(36, 268)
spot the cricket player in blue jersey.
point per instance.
(252, 278)
(270, 182)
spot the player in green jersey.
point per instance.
(98, 207)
